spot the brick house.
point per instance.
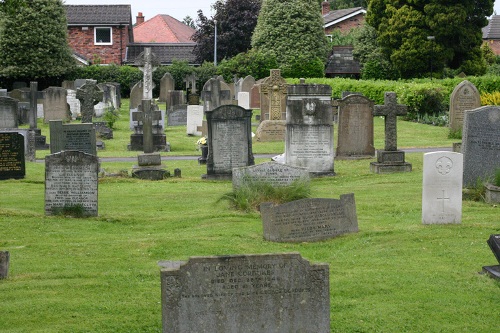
(491, 34)
(99, 34)
(342, 19)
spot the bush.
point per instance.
(490, 98)
(426, 103)
(252, 63)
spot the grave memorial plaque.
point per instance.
(71, 179)
(245, 293)
(309, 219)
(481, 144)
(12, 159)
(464, 97)
(29, 141)
(271, 130)
(276, 174)
(79, 137)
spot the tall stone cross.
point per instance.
(34, 96)
(147, 114)
(390, 110)
(147, 63)
(275, 87)
(89, 95)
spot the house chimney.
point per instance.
(325, 7)
(139, 18)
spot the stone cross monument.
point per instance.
(147, 63)
(89, 95)
(275, 87)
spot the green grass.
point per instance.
(100, 274)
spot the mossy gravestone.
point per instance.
(245, 293)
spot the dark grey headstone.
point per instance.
(12, 159)
(177, 115)
(167, 83)
(8, 112)
(29, 141)
(309, 219)
(89, 95)
(481, 144)
(245, 293)
(494, 244)
(71, 179)
(79, 137)
(4, 264)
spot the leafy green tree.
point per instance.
(343, 4)
(403, 28)
(33, 40)
(188, 20)
(289, 30)
(236, 21)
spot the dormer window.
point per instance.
(103, 36)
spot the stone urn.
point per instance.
(492, 193)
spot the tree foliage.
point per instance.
(33, 40)
(403, 26)
(290, 30)
(343, 4)
(236, 21)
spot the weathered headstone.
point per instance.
(247, 84)
(89, 95)
(494, 244)
(308, 220)
(159, 139)
(177, 115)
(167, 83)
(390, 159)
(271, 130)
(244, 100)
(74, 104)
(136, 95)
(355, 130)
(8, 112)
(215, 93)
(229, 140)
(481, 144)
(245, 293)
(273, 97)
(147, 63)
(4, 264)
(276, 174)
(309, 128)
(464, 97)
(194, 119)
(442, 188)
(71, 183)
(174, 98)
(12, 159)
(80, 137)
(55, 105)
(255, 96)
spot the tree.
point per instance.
(33, 40)
(403, 28)
(188, 20)
(236, 21)
(292, 32)
(343, 4)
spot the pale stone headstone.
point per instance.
(481, 144)
(8, 112)
(136, 95)
(4, 264)
(71, 179)
(309, 128)
(245, 293)
(355, 129)
(271, 130)
(308, 220)
(244, 100)
(276, 174)
(194, 119)
(390, 159)
(55, 106)
(79, 137)
(167, 83)
(442, 188)
(273, 97)
(246, 84)
(177, 115)
(229, 140)
(464, 97)
(74, 104)
(12, 157)
(215, 93)
(89, 95)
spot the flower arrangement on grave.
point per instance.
(202, 142)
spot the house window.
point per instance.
(103, 36)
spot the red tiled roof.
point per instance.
(163, 29)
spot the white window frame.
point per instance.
(110, 36)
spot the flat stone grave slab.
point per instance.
(309, 219)
(245, 293)
(276, 174)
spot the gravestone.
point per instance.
(136, 95)
(167, 83)
(177, 115)
(194, 119)
(442, 188)
(273, 97)
(8, 112)
(68, 85)
(74, 104)
(215, 93)
(307, 220)
(355, 129)
(247, 84)
(244, 100)
(245, 293)
(12, 158)
(229, 140)
(55, 106)
(4, 264)
(78, 137)
(79, 83)
(464, 97)
(159, 139)
(23, 105)
(255, 96)
(29, 141)
(147, 63)
(71, 182)
(116, 94)
(175, 98)
(481, 144)
(271, 130)
(309, 128)
(89, 95)
(390, 159)
(276, 174)
(494, 244)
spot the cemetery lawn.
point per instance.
(101, 275)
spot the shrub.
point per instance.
(425, 102)
(490, 98)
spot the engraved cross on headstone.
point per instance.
(147, 63)
(148, 113)
(443, 198)
(89, 95)
(390, 110)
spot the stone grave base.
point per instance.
(353, 157)
(390, 162)
(40, 140)
(149, 167)
(492, 271)
(159, 142)
(322, 174)
(492, 194)
(220, 176)
(271, 130)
